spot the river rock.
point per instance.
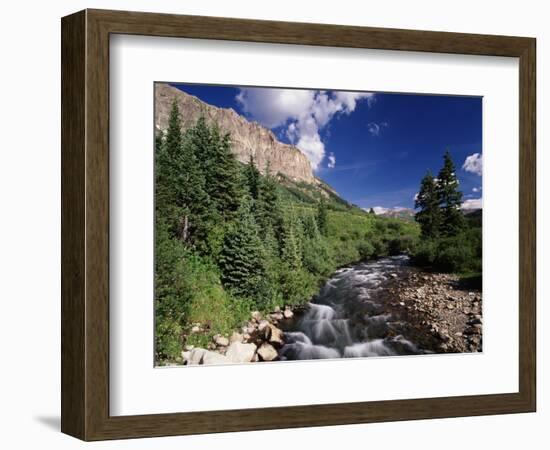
(264, 330)
(214, 358)
(238, 352)
(256, 316)
(236, 337)
(288, 314)
(193, 357)
(220, 340)
(276, 337)
(267, 352)
(275, 317)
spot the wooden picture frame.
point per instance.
(85, 224)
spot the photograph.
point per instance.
(305, 224)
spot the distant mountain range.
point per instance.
(408, 213)
(397, 212)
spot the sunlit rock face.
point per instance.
(248, 138)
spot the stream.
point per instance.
(350, 317)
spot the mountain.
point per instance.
(396, 213)
(248, 138)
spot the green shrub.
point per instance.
(454, 254)
(425, 253)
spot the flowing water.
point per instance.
(350, 318)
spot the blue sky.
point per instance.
(373, 148)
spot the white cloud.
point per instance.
(302, 112)
(473, 203)
(331, 161)
(474, 164)
(476, 189)
(376, 128)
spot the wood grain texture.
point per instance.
(73, 113)
(85, 224)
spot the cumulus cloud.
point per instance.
(474, 164)
(376, 128)
(331, 161)
(302, 113)
(473, 203)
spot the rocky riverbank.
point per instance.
(382, 308)
(258, 340)
(436, 312)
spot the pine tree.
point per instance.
(224, 180)
(269, 202)
(450, 199)
(192, 196)
(311, 230)
(291, 254)
(371, 211)
(167, 152)
(253, 179)
(242, 258)
(181, 198)
(322, 217)
(429, 216)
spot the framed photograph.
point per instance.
(270, 224)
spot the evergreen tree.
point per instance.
(167, 152)
(224, 180)
(242, 258)
(429, 216)
(269, 202)
(253, 179)
(182, 202)
(322, 217)
(371, 211)
(291, 254)
(450, 199)
(192, 196)
(311, 230)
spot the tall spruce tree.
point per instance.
(241, 261)
(450, 199)
(269, 202)
(429, 216)
(226, 183)
(322, 217)
(291, 253)
(253, 179)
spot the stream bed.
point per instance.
(350, 317)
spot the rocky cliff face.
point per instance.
(248, 138)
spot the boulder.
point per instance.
(264, 330)
(220, 340)
(236, 337)
(214, 358)
(256, 316)
(238, 352)
(193, 357)
(288, 314)
(267, 352)
(276, 337)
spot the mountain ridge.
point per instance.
(248, 138)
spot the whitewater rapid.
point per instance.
(349, 318)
